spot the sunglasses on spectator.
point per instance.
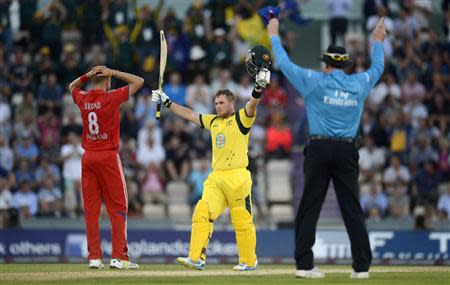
(337, 56)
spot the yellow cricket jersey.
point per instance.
(229, 139)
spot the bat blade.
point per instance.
(162, 59)
(162, 67)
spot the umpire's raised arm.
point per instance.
(303, 79)
(377, 65)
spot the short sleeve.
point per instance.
(206, 120)
(246, 120)
(120, 95)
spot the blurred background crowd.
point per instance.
(44, 45)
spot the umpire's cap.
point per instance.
(257, 58)
(336, 56)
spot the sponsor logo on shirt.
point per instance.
(341, 98)
(220, 140)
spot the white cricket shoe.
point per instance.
(187, 262)
(122, 264)
(313, 273)
(245, 267)
(96, 264)
(359, 275)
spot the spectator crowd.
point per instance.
(405, 129)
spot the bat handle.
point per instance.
(158, 111)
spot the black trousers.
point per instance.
(325, 160)
(338, 27)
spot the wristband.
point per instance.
(84, 78)
(257, 93)
(167, 103)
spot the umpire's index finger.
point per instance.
(381, 22)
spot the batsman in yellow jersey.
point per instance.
(229, 184)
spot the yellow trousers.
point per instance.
(222, 189)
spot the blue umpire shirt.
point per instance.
(334, 101)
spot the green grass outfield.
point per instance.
(78, 274)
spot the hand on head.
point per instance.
(101, 70)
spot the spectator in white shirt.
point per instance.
(444, 204)
(244, 90)
(71, 154)
(198, 96)
(396, 173)
(371, 160)
(152, 130)
(224, 81)
(387, 86)
(150, 152)
(5, 195)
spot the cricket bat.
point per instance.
(162, 67)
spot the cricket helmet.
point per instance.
(257, 58)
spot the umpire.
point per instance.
(334, 102)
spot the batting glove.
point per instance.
(159, 97)
(262, 79)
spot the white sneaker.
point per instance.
(245, 267)
(122, 264)
(96, 264)
(313, 273)
(359, 275)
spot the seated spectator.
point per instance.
(443, 205)
(134, 200)
(50, 198)
(425, 187)
(129, 126)
(387, 86)
(71, 154)
(444, 159)
(6, 155)
(28, 105)
(412, 87)
(26, 125)
(72, 126)
(398, 203)
(26, 149)
(5, 117)
(219, 52)
(177, 160)
(274, 94)
(47, 168)
(24, 172)
(25, 200)
(175, 89)
(144, 109)
(198, 175)
(375, 198)
(198, 96)
(5, 203)
(244, 90)
(150, 129)
(223, 81)
(127, 154)
(396, 173)
(278, 137)
(50, 92)
(150, 152)
(421, 152)
(152, 186)
(371, 160)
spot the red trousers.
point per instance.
(103, 179)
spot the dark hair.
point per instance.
(230, 96)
